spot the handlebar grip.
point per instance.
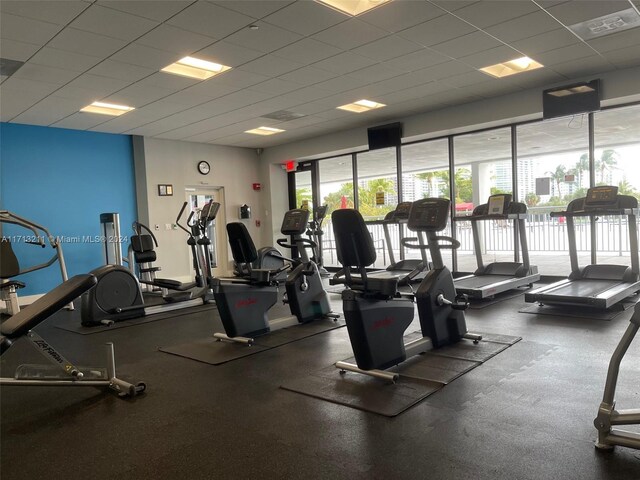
(184, 205)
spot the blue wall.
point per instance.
(63, 179)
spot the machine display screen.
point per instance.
(295, 222)
(601, 196)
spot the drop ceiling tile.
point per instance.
(74, 62)
(153, 10)
(308, 76)
(16, 50)
(13, 105)
(237, 78)
(229, 54)
(400, 15)
(305, 18)
(209, 19)
(307, 94)
(467, 79)
(138, 95)
(344, 63)
(174, 39)
(27, 30)
(537, 78)
(387, 48)
(342, 84)
(143, 56)
(83, 95)
(276, 86)
(58, 12)
(121, 71)
(491, 57)
(307, 51)
(424, 57)
(86, 43)
(375, 73)
(438, 30)
(49, 110)
(453, 5)
(188, 99)
(564, 54)
(112, 23)
(616, 41)
(486, 13)
(350, 34)
(57, 76)
(467, 44)
(569, 13)
(25, 89)
(625, 57)
(271, 66)
(254, 8)
(545, 42)
(266, 38)
(203, 92)
(524, 27)
(101, 86)
(81, 121)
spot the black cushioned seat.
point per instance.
(44, 307)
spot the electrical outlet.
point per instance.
(157, 227)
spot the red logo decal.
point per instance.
(246, 302)
(385, 322)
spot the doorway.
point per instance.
(197, 197)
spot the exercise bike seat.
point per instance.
(44, 307)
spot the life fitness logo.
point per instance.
(384, 323)
(245, 302)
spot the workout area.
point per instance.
(317, 239)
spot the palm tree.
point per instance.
(608, 161)
(558, 177)
(582, 166)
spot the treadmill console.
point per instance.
(605, 196)
(295, 222)
(499, 204)
(429, 215)
(402, 211)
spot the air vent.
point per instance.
(9, 67)
(283, 115)
(607, 24)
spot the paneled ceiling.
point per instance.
(413, 55)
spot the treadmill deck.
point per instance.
(484, 286)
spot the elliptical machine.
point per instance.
(243, 304)
(118, 295)
(315, 234)
(377, 314)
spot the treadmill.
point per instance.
(596, 286)
(497, 277)
(407, 271)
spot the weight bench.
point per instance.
(62, 372)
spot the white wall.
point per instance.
(619, 86)
(173, 162)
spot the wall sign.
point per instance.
(165, 190)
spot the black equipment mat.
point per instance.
(420, 377)
(578, 312)
(215, 352)
(76, 327)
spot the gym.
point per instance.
(320, 239)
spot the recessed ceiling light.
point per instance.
(519, 65)
(106, 108)
(264, 131)
(195, 68)
(353, 7)
(361, 106)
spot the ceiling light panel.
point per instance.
(518, 65)
(264, 131)
(353, 7)
(195, 68)
(361, 106)
(107, 109)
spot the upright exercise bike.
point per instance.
(377, 314)
(243, 303)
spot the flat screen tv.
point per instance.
(570, 100)
(384, 136)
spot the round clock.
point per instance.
(204, 168)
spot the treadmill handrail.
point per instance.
(591, 213)
(503, 216)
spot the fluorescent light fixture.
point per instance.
(195, 68)
(361, 106)
(107, 109)
(353, 7)
(571, 91)
(264, 131)
(518, 65)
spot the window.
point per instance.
(482, 168)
